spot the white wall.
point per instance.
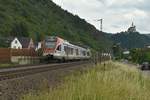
(15, 44)
(39, 46)
(31, 44)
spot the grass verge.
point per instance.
(6, 65)
(114, 81)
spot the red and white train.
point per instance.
(60, 49)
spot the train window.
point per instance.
(59, 48)
(83, 53)
(88, 53)
(77, 52)
(50, 44)
(71, 51)
(66, 49)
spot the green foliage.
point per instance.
(19, 29)
(37, 18)
(117, 51)
(131, 40)
(140, 55)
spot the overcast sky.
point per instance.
(117, 14)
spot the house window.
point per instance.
(14, 47)
(16, 42)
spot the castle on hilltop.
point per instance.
(132, 29)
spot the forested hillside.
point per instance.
(131, 40)
(37, 18)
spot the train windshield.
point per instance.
(50, 44)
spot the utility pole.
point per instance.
(101, 24)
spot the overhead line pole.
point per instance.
(101, 24)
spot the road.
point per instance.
(146, 73)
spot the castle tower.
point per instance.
(132, 24)
(132, 29)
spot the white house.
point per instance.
(23, 42)
(15, 44)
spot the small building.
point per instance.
(22, 43)
(126, 52)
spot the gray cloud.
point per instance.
(117, 14)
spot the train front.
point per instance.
(51, 45)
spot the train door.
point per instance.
(63, 53)
(66, 50)
(59, 49)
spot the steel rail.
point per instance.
(6, 74)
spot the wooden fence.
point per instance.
(23, 52)
(7, 53)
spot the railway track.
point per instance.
(11, 73)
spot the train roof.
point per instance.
(74, 45)
(68, 42)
